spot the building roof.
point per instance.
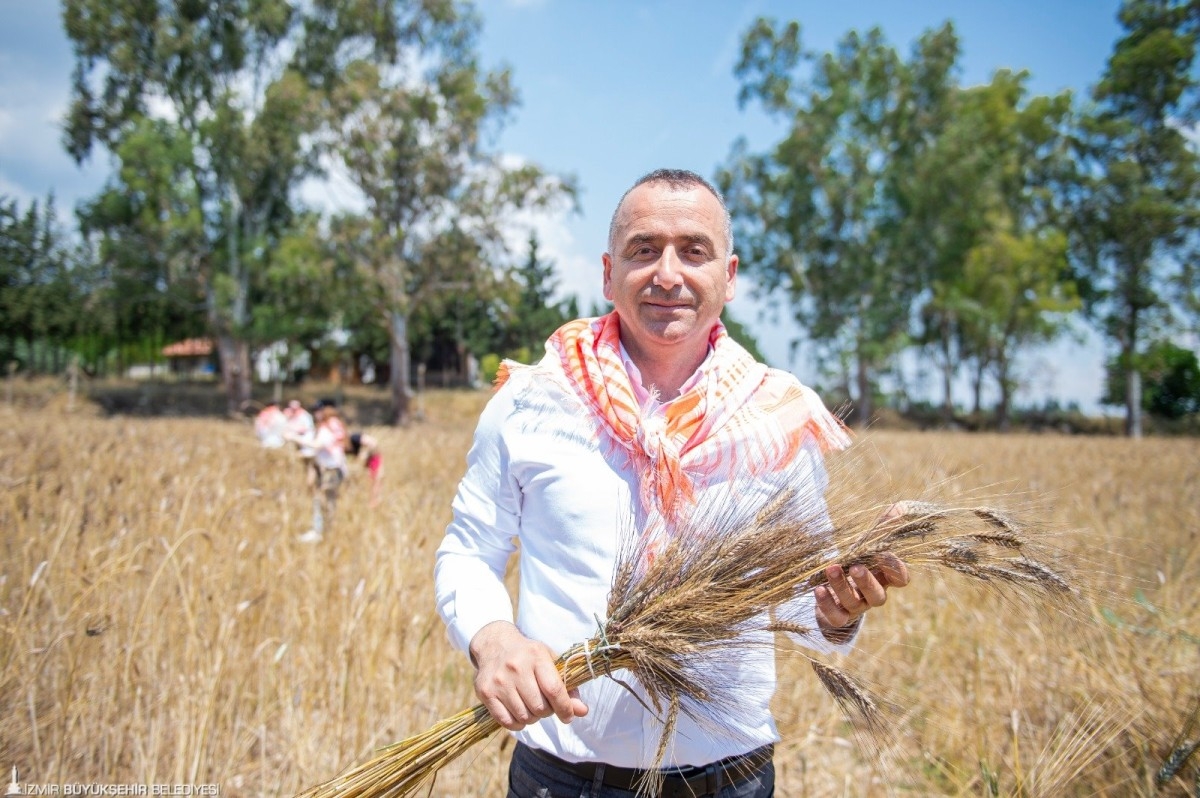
(190, 347)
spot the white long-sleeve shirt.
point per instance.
(543, 475)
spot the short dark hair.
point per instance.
(677, 180)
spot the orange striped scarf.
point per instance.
(740, 418)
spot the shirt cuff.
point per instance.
(464, 621)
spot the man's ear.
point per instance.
(606, 259)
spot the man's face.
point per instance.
(667, 274)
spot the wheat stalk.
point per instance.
(684, 602)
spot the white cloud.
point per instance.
(578, 274)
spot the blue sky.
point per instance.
(612, 89)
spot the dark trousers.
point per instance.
(535, 774)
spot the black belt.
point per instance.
(688, 782)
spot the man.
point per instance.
(646, 410)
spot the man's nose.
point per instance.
(668, 272)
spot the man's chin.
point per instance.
(667, 317)
(669, 333)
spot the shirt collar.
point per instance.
(644, 397)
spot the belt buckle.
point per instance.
(698, 784)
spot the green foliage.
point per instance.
(43, 285)
(489, 364)
(900, 208)
(142, 231)
(535, 315)
(305, 291)
(738, 332)
(511, 318)
(1170, 378)
(207, 110)
(985, 224)
(409, 132)
(1138, 207)
(822, 215)
(217, 111)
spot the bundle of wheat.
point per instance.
(684, 607)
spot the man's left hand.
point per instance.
(846, 596)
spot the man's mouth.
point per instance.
(668, 303)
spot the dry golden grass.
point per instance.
(159, 623)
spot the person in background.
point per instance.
(365, 448)
(301, 427)
(637, 414)
(271, 426)
(328, 443)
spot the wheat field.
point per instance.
(161, 625)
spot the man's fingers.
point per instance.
(558, 701)
(871, 592)
(858, 589)
(828, 607)
(514, 706)
(578, 708)
(517, 680)
(845, 590)
(496, 706)
(531, 706)
(848, 593)
(891, 571)
(524, 701)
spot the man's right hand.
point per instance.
(516, 679)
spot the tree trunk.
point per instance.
(947, 382)
(977, 390)
(865, 408)
(1133, 379)
(1004, 405)
(1133, 403)
(235, 372)
(401, 365)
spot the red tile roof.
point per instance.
(191, 347)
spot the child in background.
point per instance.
(328, 442)
(365, 448)
(301, 427)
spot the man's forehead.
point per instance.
(659, 206)
(662, 191)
